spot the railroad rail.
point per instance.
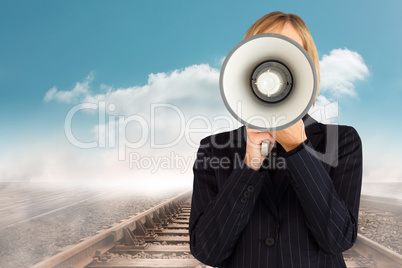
(158, 237)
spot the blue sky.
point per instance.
(118, 44)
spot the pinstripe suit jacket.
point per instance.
(304, 215)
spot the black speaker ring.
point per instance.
(286, 73)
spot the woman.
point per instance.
(301, 213)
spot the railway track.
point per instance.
(159, 237)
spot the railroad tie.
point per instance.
(162, 241)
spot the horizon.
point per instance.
(128, 57)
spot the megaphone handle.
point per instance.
(265, 147)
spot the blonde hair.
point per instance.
(278, 18)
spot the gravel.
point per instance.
(26, 243)
(29, 242)
(144, 255)
(383, 227)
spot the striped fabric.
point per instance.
(299, 210)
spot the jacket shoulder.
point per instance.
(344, 131)
(224, 138)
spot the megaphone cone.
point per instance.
(268, 82)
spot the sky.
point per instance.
(115, 90)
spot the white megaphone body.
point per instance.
(268, 82)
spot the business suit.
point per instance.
(303, 214)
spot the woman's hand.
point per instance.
(291, 137)
(254, 158)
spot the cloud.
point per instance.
(340, 70)
(22, 167)
(380, 167)
(325, 110)
(222, 60)
(168, 110)
(170, 113)
(81, 89)
(167, 104)
(195, 90)
(170, 101)
(192, 86)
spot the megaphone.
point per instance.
(268, 82)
